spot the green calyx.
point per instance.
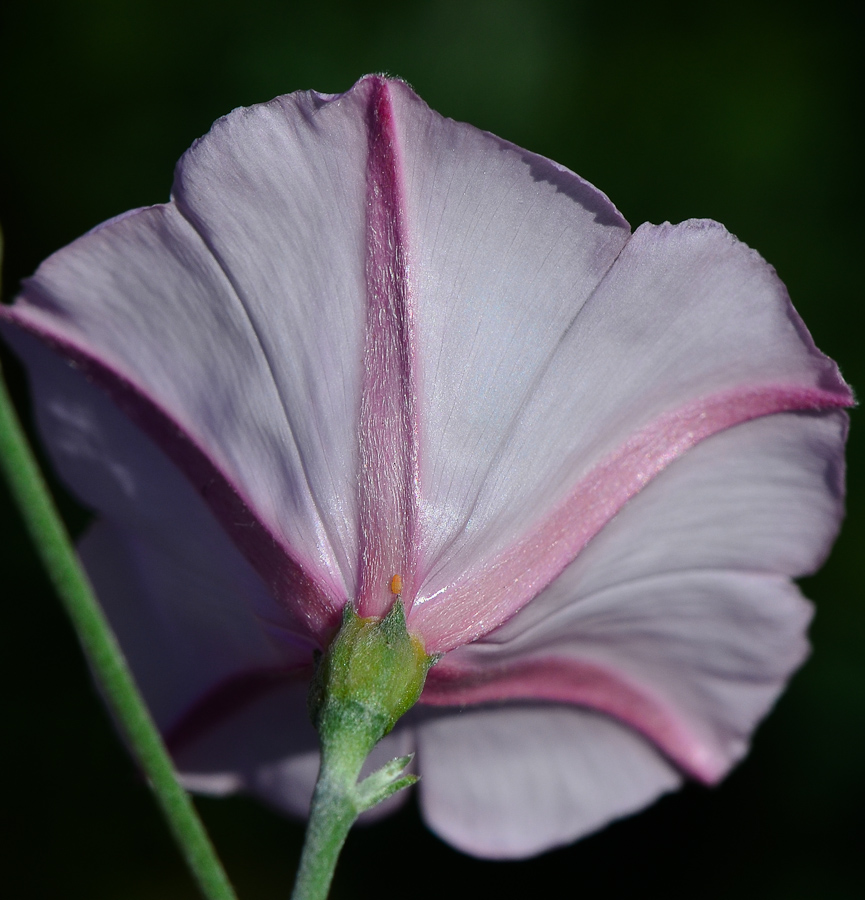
(372, 673)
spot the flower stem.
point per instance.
(331, 816)
(55, 548)
(372, 673)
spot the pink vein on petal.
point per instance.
(388, 423)
(311, 608)
(580, 683)
(497, 589)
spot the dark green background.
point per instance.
(749, 113)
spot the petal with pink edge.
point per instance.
(764, 496)
(504, 248)
(692, 660)
(678, 617)
(189, 610)
(278, 195)
(690, 332)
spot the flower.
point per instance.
(366, 350)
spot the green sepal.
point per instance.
(372, 673)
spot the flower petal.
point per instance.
(188, 609)
(675, 618)
(141, 307)
(692, 661)
(268, 747)
(504, 247)
(690, 333)
(511, 783)
(765, 496)
(278, 194)
(186, 625)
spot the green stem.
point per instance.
(54, 546)
(331, 816)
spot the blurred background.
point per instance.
(746, 112)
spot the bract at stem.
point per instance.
(372, 673)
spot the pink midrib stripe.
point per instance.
(496, 590)
(388, 431)
(311, 611)
(579, 683)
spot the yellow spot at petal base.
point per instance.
(396, 584)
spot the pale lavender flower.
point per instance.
(362, 341)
